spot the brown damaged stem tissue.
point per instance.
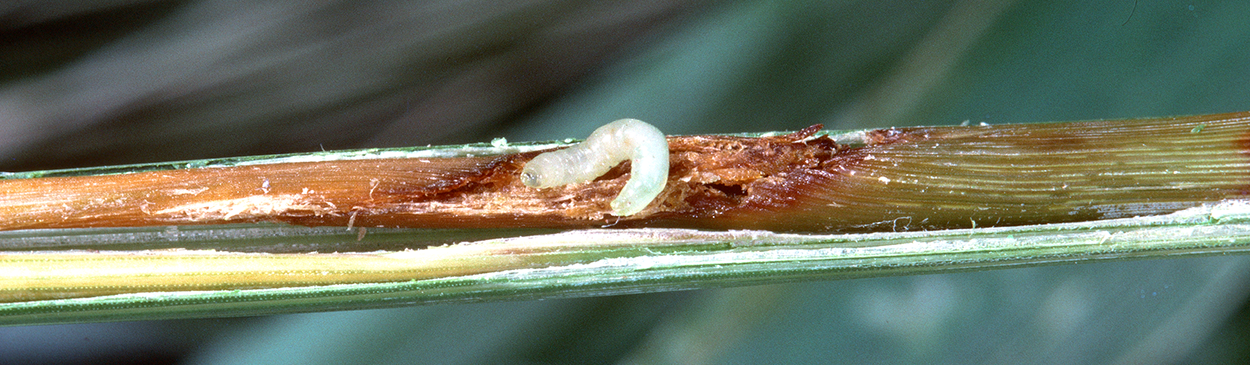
(898, 179)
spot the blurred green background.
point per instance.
(125, 81)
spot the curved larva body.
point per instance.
(611, 144)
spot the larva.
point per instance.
(611, 144)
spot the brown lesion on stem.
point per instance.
(899, 179)
(708, 174)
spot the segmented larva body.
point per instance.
(608, 146)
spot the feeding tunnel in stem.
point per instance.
(898, 179)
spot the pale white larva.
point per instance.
(611, 144)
